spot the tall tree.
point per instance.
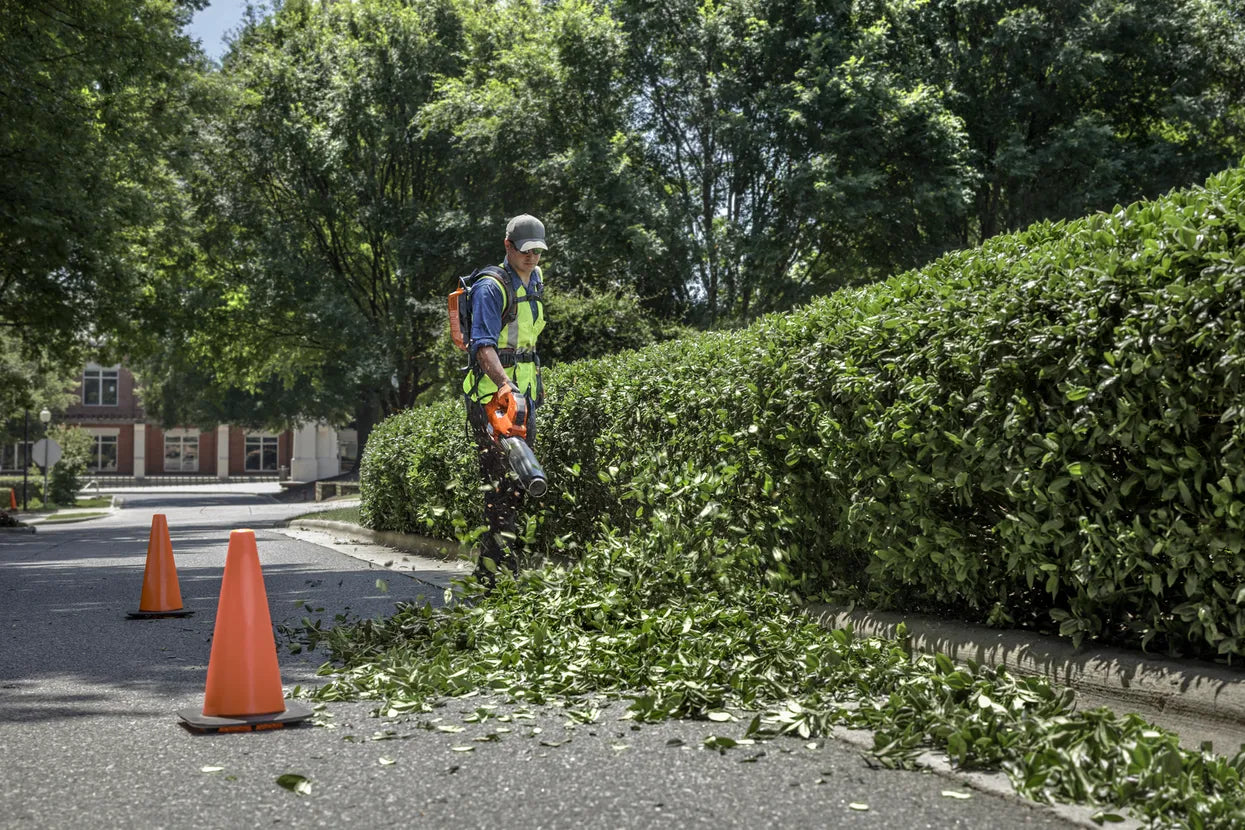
(539, 123)
(322, 204)
(798, 159)
(27, 384)
(1077, 105)
(94, 95)
(371, 151)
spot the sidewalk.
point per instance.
(252, 487)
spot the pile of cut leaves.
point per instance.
(676, 622)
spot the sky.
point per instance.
(210, 24)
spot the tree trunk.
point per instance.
(366, 416)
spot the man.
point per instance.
(502, 361)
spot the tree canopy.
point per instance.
(93, 105)
(271, 240)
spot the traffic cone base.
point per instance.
(294, 714)
(155, 615)
(161, 596)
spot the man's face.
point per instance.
(520, 260)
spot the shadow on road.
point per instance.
(65, 625)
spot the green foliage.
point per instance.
(592, 324)
(538, 117)
(30, 380)
(798, 155)
(362, 156)
(96, 99)
(34, 489)
(1046, 430)
(717, 161)
(1071, 106)
(66, 475)
(671, 621)
(316, 295)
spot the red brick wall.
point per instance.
(125, 445)
(237, 451)
(155, 450)
(125, 450)
(207, 451)
(127, 408)
(128, 411)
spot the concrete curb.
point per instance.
(448, 551)
(114, 505)
(1199, 701)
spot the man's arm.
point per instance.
(490, 364)
(487, 300)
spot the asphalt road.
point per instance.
(89, 736)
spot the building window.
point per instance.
(181, 452)
(261, 453)
(99, 387)
(103, 454)
(13, 456)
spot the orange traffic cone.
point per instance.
(161, 595)
(12, 499)
(243, 679)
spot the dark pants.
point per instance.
(503, 496)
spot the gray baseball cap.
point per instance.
(526, 233)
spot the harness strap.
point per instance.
(509, 357)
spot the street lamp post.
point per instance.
(45, 415)
(25, 459)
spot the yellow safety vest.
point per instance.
(516, 346)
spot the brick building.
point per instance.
(127, 445)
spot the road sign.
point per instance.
(46, 452)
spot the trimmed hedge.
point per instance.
(1044, 430)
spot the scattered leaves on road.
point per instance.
(295, 783)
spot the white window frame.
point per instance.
(259, 441)
(94, 377)
(101, 436)
(182, 437)
(17, 454)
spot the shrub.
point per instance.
(33, 483)
(594, 324)
(1047, 429)
(66, 475)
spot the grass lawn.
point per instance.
(91, 503)
(74, 517)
